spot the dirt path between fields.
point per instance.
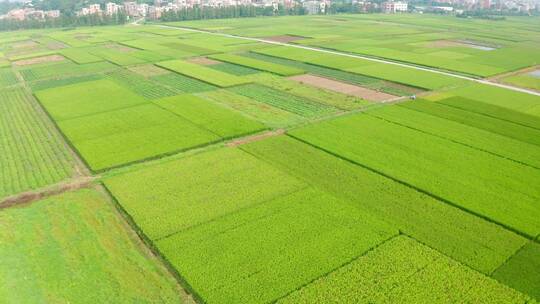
(256, 137)
(31, 196)
(284, 38)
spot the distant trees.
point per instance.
(493, 14)
(6, 6)
(343, 7)
(239, 11)
(62, 21)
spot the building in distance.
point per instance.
(392, 7)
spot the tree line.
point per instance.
(69, 19)
(239, 11)
(63, 21)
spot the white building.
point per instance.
(131, 8)
(112, 8)
(52, 14)
(142, 9)
(94, 9)
(155, 12)
(83, 12)
(394, 7)
(312, 7)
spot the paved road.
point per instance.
(411, 66)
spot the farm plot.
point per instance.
(65, 70)
(341, 87)
(149, 44)
(148, 70)
(258, 64)
(474, 242)
(116, 56)
(184, 46)
(115, 138)
(150, 56)
(521, 271)
(7, 77)
(265, 211)
(480, 121)
(480, 139)
(445, 60)
(527, 80)
(139, 84)
(421, 79)
(32, 154)
(80, 55)
(55, 83)
(262, 253)
(38, 60)
(233, 69)
(327, 60)
(283, 100)
(183, 84)
(87, 98)
(203, 73)
(210, 116)
(204, 44)
(412, 274)
(407, 76)
(355, 79)
(180, 204)
(489, 186)
(203, 61)
(493, 111)
(15, 56)
(476, 47)
(512, 100)
(270, 116)
(60, 248)
(331, 98)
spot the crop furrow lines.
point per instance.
(441, 199)
(336, 268)
(452, 140)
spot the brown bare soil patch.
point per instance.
(148, 70)
(284, 38)
(31, 196)
(120, 48)
(341, 87)
(28, 44)
(203, 61)
(37, 60)
(82, 36)
(253, 138)
(56, 45)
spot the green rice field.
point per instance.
(351, 158)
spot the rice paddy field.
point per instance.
(315, 159)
